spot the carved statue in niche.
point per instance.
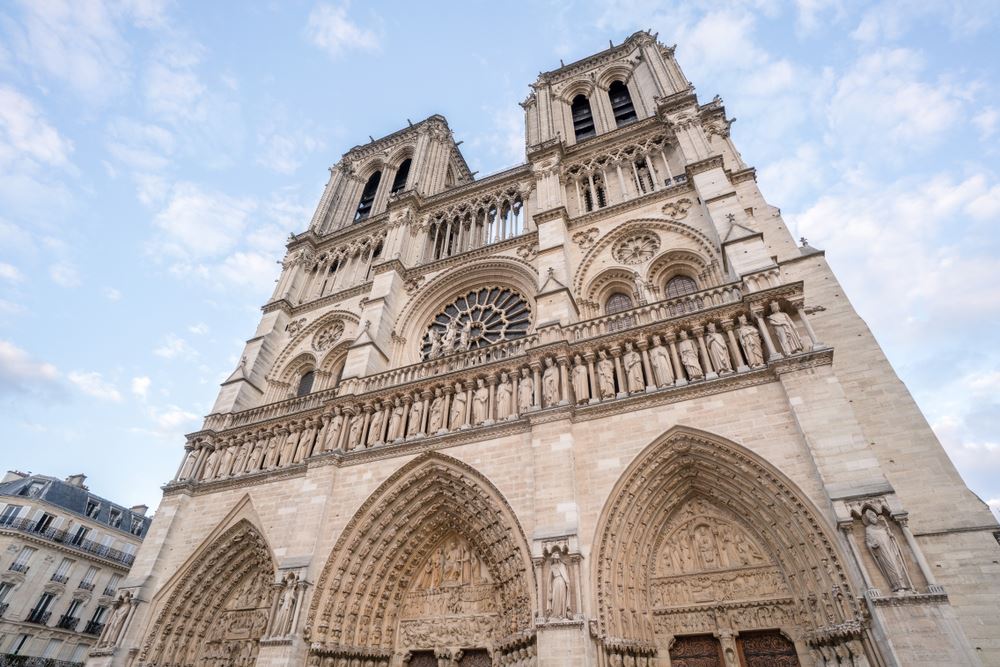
(416, 416)
(188, 466)
(116, 624)
(354, 434)
(375, 427)
(465, 336)
(450, 337)
(525, 392)
(550, 383)
(503, 397)
(750, 341)
(885, 550)
(705, 541)
(718, 351)
(291, 444)
(559, 606)
(436, 344)
(435, 420)
(581, 383)
(605, 375)
(788, 337)
(331, 433)
(633, 368)
(480, 403)
(659, 358)
(458, 403)
(396, 421)
(213, 458)
(271, 456)
(689, 357)
(287, 607)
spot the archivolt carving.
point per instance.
(682, 262)
(669, 231)
(638, 248)
(752, 517)
(299, 343)
(383, 566)
(219, 607)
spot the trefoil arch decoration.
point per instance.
(364, 600)
(721, 536)
(479, 318)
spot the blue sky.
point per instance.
(155, 156)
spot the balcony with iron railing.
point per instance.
(86, 585)
(67, 622)
(19, 567)
(709, 339)
(66, 539)
(38, 616)
(3, 608)
(12, 660)
(60, 578)
(93, 628)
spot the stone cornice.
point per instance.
(709, 163)
(630, 204)
(514, 173)
(63, 547)
(676, 101)
(743, 175)
(337, 236)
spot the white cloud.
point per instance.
(141, 146)
(285, 152)
(112, 294)
(93, 384)
(330, 29)
(170, 418)
(25, 134)
(19, 373)
(10, 272)
(199, 329)
(174, 89)
(986, 121)
(64, 275)
(140, 386)
(196, 223)
(173, 346)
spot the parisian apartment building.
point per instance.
(64, 552)
(599, 409)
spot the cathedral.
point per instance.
(599, 409)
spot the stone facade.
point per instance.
(65, 551)
(598, 409)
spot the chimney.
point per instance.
(77, 480)
(139, 509)
(12, 476)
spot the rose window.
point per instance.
(327, 336)
(636, 249)
(480, 318)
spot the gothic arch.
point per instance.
(416, 316)
(674, 235)
(813, 598)
(608, 282)
(677, 262)
(300, 342)
(377, 559)
(618, 72)
(218, 603)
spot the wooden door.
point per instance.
(768, 648)
(696, 651)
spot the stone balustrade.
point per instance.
(557, 368)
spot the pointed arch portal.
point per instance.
(702, 537)
(434, 559)
(218, 609)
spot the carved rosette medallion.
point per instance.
(480, 318)
(325, 338)
(636, 249)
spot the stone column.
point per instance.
(469, 388)
(734, 348)
(698, 333)
(364, 426)
(813, 339)
(595, 391)
(491, 408)
(536, 374)
(680, 377)
(765, 335)
(643, 346)
(925, 569)
(425, 414)
(563, 380)
(619, 372)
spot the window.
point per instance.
(19, 644)
(680, 286)
(136, 528)
(74, 608)
(99, 614)
(5, 588)
(583, 119)
(617, 303)
(88, 579)
(79, 653)
(368, 197)
(10, 514)
(112, 584)
(61, 574)
(43, 523)
(20, 563)
(116, 518)
(621, 103)
(80, 536)
(52, 648)
(399, 180)
(93, 508)
(306, 383)
(33, 490)
(643, 179)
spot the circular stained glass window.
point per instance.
(480, 318)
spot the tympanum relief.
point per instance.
(453, 601)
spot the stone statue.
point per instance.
(113, 628)
(291, 443)
(285, 613)
(435, 420)
(209, 470)
(504, 390)
(558, 587)
(480, 403)
(458, 403)
(659, 357)
(525, 392)
(416, 416)
(633, 368)
(885, 550)
(225, 461)
(605, 375)
(717, 350)
(465, 337)
(788, 337)
(271, 458)
(642, 288)
(581, 381)
(550, 383)
(188, 466)
(689, 357)
(449, 338)
(354, 434)
(434, 337)
(331, 436)
(396, 421)
(375, 427)
(750, 341)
